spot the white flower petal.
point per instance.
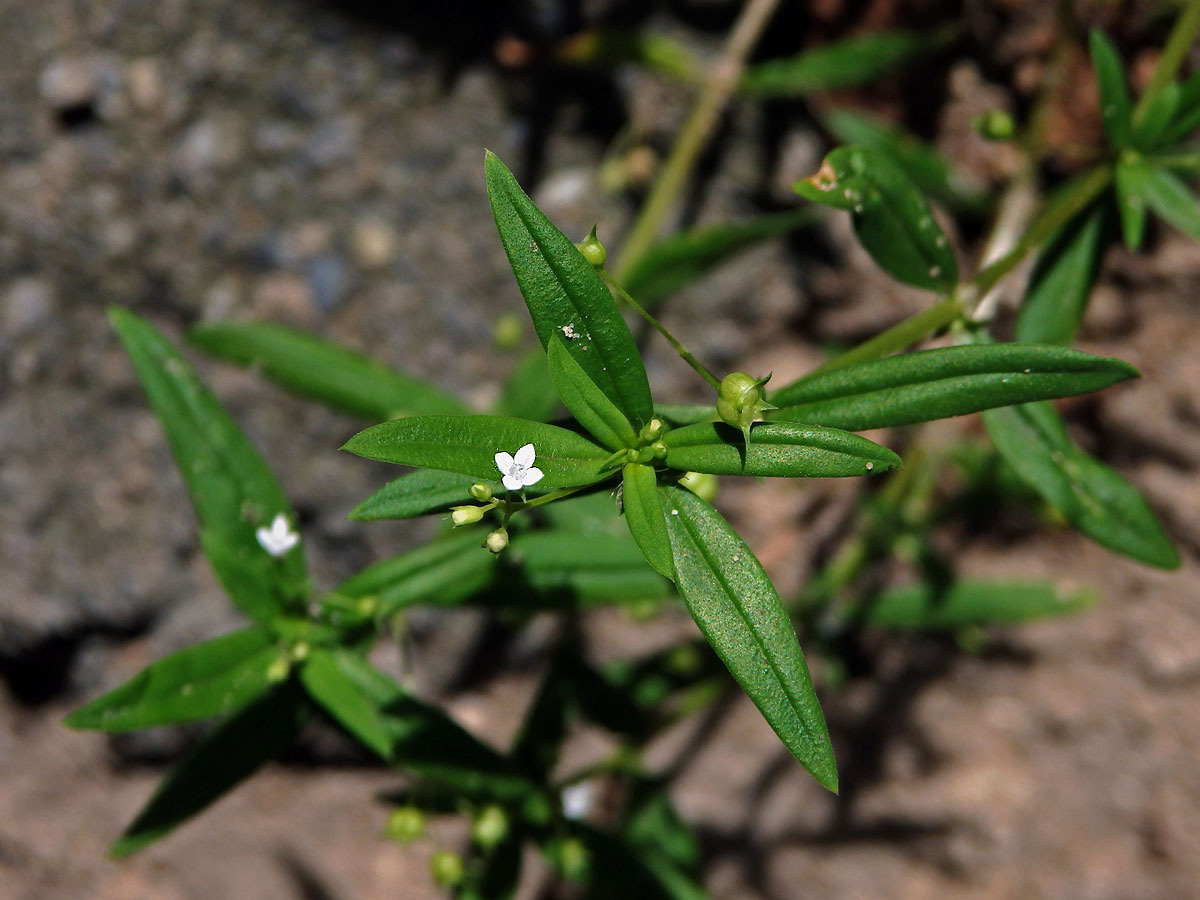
(533, 475)
(504, 462)
(512, 482)
(526, 456)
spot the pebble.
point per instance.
(67, 82)
(27, 304)
(373, 243)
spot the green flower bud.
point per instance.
(508, 331)
(659, 449)
(278, 670)
(497, 540)
(490, 826)
(702, 485)
(481, 492)
(300, 651)
(652, 431)
(593, 250)
(466, 515)
(447, 868)
(405, 824)
(995, 125)
(740, 401)
(573, 857)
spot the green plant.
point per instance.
(540, 486)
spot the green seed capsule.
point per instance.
(447, 868)
(490, 826)
(593, 250)
(406, 824)
(740, 401)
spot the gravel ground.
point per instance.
(309, 164)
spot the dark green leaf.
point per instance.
(969, 603)
(1062, 280)
(775, 448)
(232, 490)
(233, 752)
(415, 494)
(529, 392)
(580, 568)
(1187, 112)
(1131, 206)
(685, 257)
(676, 414)
(213, 678)
(1033, 440)
(469, 444)
(442, 573)
(739, 612)
(566, 296)
(653, 824)
(500, 873)
(931, 172)
(586, 402)
(1115, 108)
(1167, 196)
(1150, 125)
(857, 60)
(346, 381)
(935, 384)
(891, 218)
(645, 518)
(406, 731)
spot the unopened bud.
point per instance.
(593, 250)
(497, 541)
(466, 515)
(701, 484)
(995, 125)
(652, 430)
(740, 401)
(447, 868)
(406, 824)
(573, 856)
(490, 826)
(481, 492)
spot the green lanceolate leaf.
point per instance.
(931, 172)
(1131, 205)
(963, 604)
(415, 494)
(1115, 108)
(566, 296)
(775, 448)
(1033, 440)
(612, 867)
(676, 414)
(679, 260)
(936, 384)
(549, 570)
(645, 518)
(405, 731)
(846, 63)
(1186, 118)
(1063, 278)
(346, 381)
(469, 444)
(233, 752)
(529, 392)
(213, 678)
(586, 402)
(232, 490)
(1167, 196)
(443, 573)
(1151, 124)
(891, 218)
(739, 612)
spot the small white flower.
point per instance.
(519, 470)
(279, 538)
(577, 801)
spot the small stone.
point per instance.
(27, 304)
(374, 243)
(284, 295)
(327, 281)
(68, 82)
(144, 80)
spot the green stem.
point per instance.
(722, 80)
(1057, 212)
(683, 351)
(898, 336)
(1173, 55)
